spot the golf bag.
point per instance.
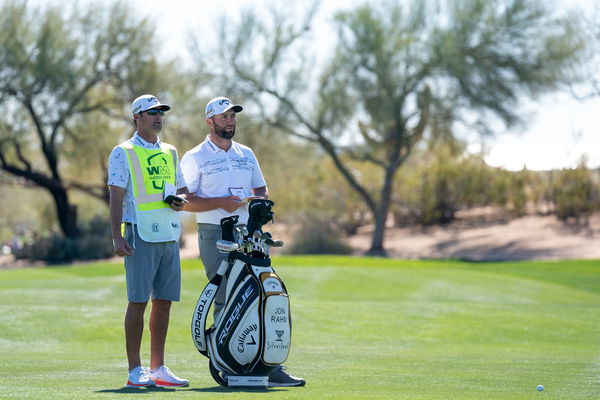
(251, 335)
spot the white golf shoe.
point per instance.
(138, 378)
(163, 377)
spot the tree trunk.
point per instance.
(66, 212)
(378, 234)
(381, 213)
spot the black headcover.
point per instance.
(261, 212)
(227, 225)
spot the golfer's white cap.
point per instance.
(219, 105)
(147, 102)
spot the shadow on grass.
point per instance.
(221, 389)
(214, 389)
(142, 390)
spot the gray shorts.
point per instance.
(153, 271)
(211, 257)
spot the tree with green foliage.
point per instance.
(398, 72)
(66, 76)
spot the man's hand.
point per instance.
(177, 204)
(232, 203)
(122, 247)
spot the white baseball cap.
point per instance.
(219, 105)
(147, 102)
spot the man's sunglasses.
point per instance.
(153, 112)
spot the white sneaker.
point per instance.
(163, 377)
(138, 377)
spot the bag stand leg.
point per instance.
(217, 375)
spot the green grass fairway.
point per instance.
(364, 328)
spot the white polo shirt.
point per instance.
(212, 172)
(118, 174)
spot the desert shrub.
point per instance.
(437, 202)
(509, 189)
(94, 242)
(317, 237)
(314, 189)
(435, 184)
(574, 192)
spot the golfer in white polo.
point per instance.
(221, 174)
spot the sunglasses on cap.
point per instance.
(153, 112)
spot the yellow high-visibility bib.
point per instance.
(150, 170)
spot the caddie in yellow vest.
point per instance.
(152, 171)
(144, 179)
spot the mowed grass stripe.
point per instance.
(364, 328)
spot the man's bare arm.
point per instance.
(121, 246)
(199, 204)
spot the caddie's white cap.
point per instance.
(219, 105)
(147, 102)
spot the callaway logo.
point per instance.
(226, 102)
(272, 284)
(242, 338)
(152, 100)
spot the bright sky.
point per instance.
(561, 129)
(561, 132)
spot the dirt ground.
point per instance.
(486, 235)
(479, 235)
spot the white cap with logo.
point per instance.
(219, 105)
(147, 102)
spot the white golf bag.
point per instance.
(252, 333)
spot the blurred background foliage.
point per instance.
(66, 105)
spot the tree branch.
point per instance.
(47, 147)
(97, 191)
(30, 175)
(72, 106)
(21, 156)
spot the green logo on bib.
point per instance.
(158, 170)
